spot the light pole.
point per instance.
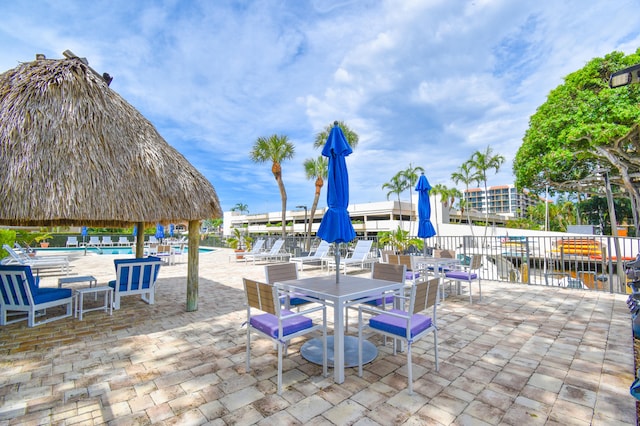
(306, 231)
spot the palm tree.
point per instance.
(442, 191)
(396, 185)
(321, 137)
(242, 208)
(315, 169)
(275, 148)
(481, 162)
(465, 175)
(411, 176)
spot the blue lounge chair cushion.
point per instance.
(124, 276)
(398, 326)
(268, 323)
(45, 295)
(461, 275)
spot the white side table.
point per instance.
(80, 279)
(79, 300)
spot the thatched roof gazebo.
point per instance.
(74, 152)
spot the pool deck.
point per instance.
(524, 355)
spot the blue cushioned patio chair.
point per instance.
(20, 292)
(279, 325)
(406, 324)
(468, 274)
(135, 276)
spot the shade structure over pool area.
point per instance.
(336, 224)
(76, 153)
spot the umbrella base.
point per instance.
(312, 351)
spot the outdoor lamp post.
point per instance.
(306, 231)
(626, 76)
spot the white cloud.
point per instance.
(421, 82)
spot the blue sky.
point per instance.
(421, 82)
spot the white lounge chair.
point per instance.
(72, 241)
(107, 241)
(318, 256)
(35, 262)
(258, 247)
(124, 241)
(275, 253)
(94, 241)
(359, 258)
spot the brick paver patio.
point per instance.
(524, 355)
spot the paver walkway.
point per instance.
(524, 355)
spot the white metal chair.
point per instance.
(318, 256)
(381, 271)
(405, 324)
(72, 241)
(20, 292)
(360, 257)
(468, 274)
(277, 324)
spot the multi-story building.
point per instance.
(503, 200)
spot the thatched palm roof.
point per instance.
(74, 152)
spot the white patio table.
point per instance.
(439, 265)
(339, 296)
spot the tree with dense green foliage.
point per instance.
(582, 127)
(396, 185)
(315, 168)
(481, 162)
(275, 148)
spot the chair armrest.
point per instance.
(380, 312)
(305, 311)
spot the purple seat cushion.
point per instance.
(378, 302)
(295, 301)
(398, 326)
(410, 275)
(461, 275)
(268, 323)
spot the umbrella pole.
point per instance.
(424, 247)
(337, 263)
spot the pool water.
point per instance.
(105, 250)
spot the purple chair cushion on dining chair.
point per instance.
(398, 326)
(410, 275)
(268, 323)
(461, 275)
(378, 302)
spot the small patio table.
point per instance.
(349, 291)
(439, 266)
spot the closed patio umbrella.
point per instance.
(425, 227)
(336, 224)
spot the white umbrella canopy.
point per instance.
(74, 152)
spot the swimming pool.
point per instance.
(105, 250)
